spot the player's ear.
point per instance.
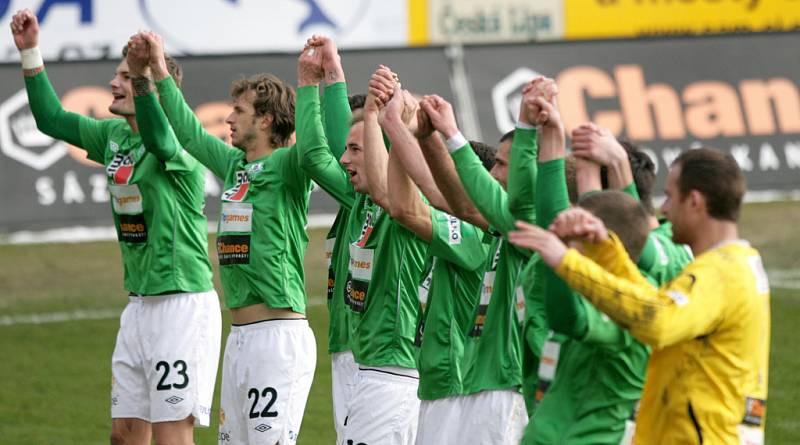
(266, 121)
(696, 200)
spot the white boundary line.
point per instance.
(86, 314)
(81, 234)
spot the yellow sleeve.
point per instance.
(687, 307)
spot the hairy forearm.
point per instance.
(406, 148)
(141, 85)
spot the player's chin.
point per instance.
(121, 109)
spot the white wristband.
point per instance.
(457, 141)
(525, 126)
(31, 58)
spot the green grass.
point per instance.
(56, 377)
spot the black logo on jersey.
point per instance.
(420, 332)
(331, 282)
(233, 249)
(356, 294)
(132, 229)
(120, 169)
(480, 319)
(239, 191)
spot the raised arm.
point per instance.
(153, 125)
(212, 152)
(376, 157)
(597, 144)
(485, 192)
(444, 173)
(317, 159)
(404, 203)
(336, 113)
(50, 116)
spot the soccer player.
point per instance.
(164, 363)
(494, 410)
(709, 327)
(449, 290)
(270, 355)
(343, 127)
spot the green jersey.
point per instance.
(449, 295)
(493, 350)
(593, 373)
(661, 258)
(261, 235)
(156, 195)
(385, 266)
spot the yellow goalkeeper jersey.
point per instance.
(709, 329)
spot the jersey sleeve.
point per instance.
(685, 308)
(54, 121)
(211, 151)
(522, 172)
(456, 241)
(485, 192)
(313, 152)
(336, 116)
(630, 189)
(157, 135)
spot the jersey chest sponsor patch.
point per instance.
(424, 291)
(238, 192)
(547, 365)
(329, 243)
(233, 249)
(520, 306)
(236, 217)
(126, 199)
(370, 219)
(120, 169)
(359, 274)
(132, 229)
(487, 289)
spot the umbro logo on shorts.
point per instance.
(174, 400)
(262, 428)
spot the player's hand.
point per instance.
(157, 61)
(539, 105)
(394, 109)
(546, 243)
(25, 29)
(424, 125)
(309, 66)
(381, 89)
(331, 60)
(441, 115)
(410, 107)
(581, 224)
(138, 55)
(597, 144)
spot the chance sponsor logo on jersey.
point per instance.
(120, 169)
(236, 217)
(233, 249)
(487, 289)
(132, 228)
(238, 192)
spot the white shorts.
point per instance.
(266, 376)
(164, 364)
(494, 417)
(440, 421)
(384, 407)
(343, 376)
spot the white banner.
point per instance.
(94, 29)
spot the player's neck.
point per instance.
(258, 151)
(131, 119)
(712, 233)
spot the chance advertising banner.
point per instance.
(736, 93)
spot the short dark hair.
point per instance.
(508, 136)
(274, 97)
(173, 68)
(621, 214)
(644, 174)
(357, 101)
(486, 153)
(717, 176)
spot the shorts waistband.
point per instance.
(138, 298)
(274, 323)
(396, 371)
